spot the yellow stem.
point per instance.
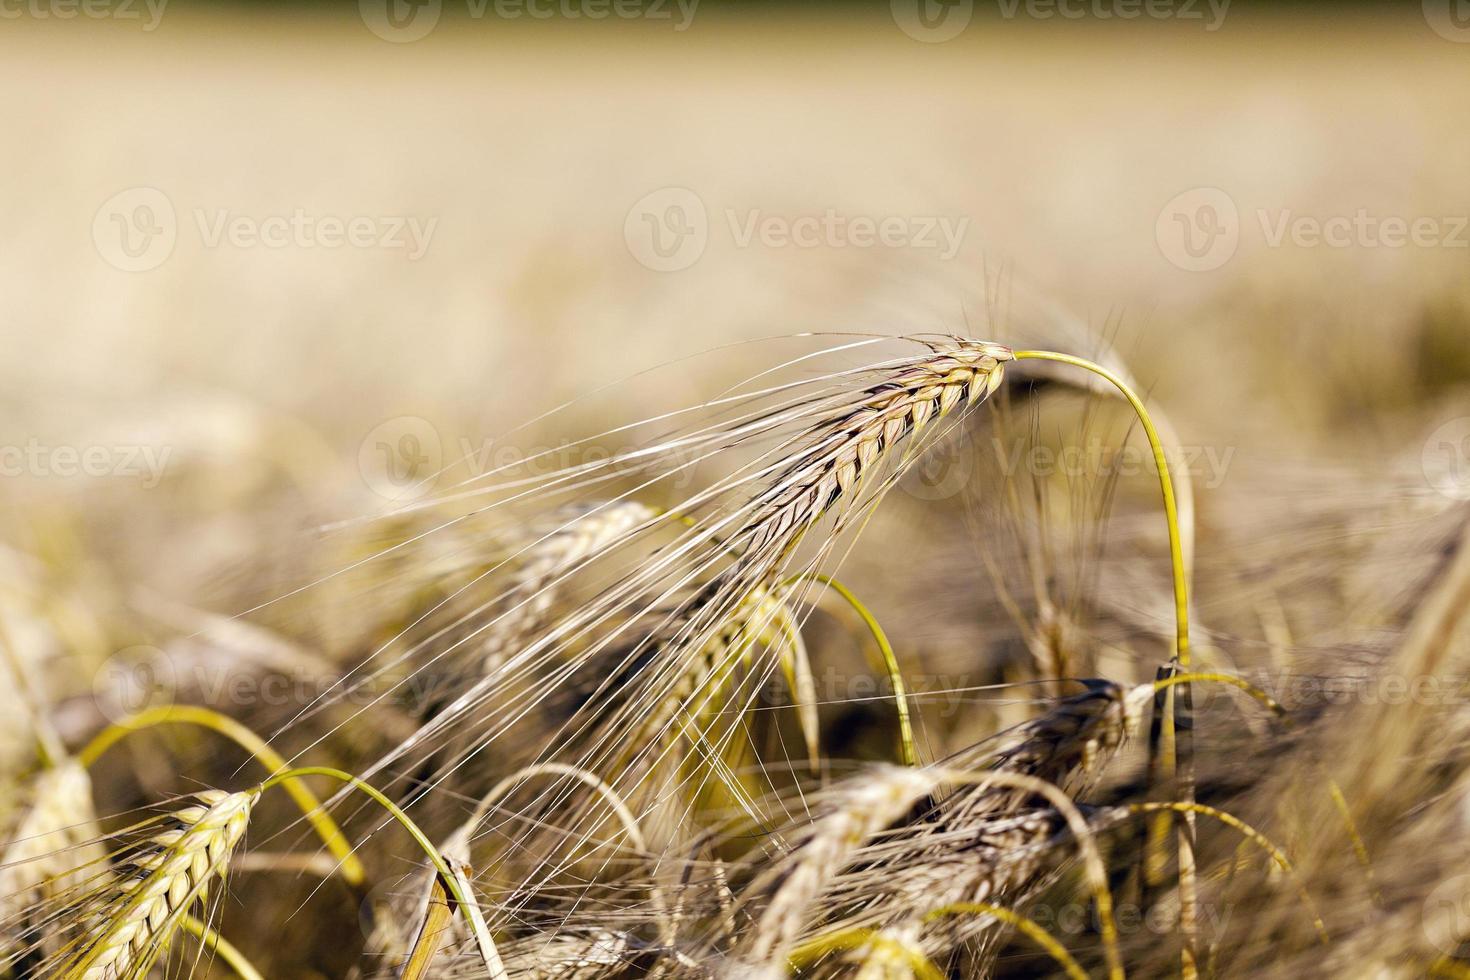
(1177, 751)
(1252, 834)
(1032, 930)
(452, 880)
(1271, 703)
(180, 714)
(1166, 487)
(890, 661)
(214, 942)
(849, 939)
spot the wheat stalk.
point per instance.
(857, 811)
(986, 841)
(842, 449)
(580, 534)
(825, 467)
(170, 876)
(54, 849)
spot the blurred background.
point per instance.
(273, 266)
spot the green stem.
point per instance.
(1028, 926)
(1166, 486)
(1177, 753)
(453, 880)
(214, 942)
(350, 866)
(890, 660)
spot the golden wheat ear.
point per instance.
(163, 882)
(55, 848)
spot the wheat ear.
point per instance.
(844, 448)
(54, 848)
(141, 912)
(833, 456)
(856, 812)
(586, 532)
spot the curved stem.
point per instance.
(1032, 930)
(453, 881)
(609, 795)
(1166, 486)
(847, 939)
(1177, 749)
(216, 943)
(1209, 676)
(1092, 863)
(890, 660)
(1251, 834)
(326, 828)
(1339, 799)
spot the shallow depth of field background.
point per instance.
(1071, 155)
(282, 387)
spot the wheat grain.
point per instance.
(580, 533)
(858, 810)
(843, 449)
(169, 876)
(55, 848)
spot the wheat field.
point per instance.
(734, 491)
